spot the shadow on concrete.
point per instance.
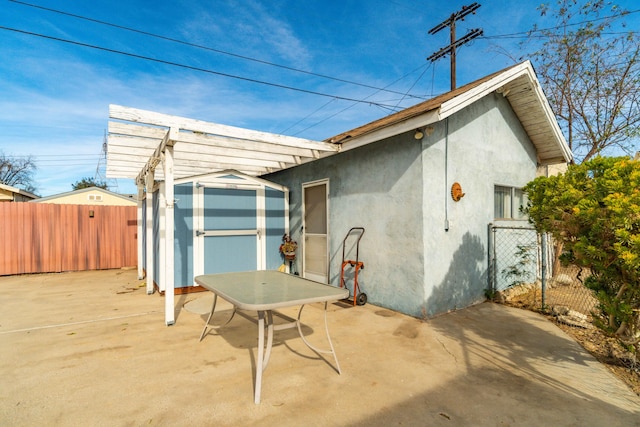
(518, 373)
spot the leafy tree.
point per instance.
(88, 182)
(591, 76)
(594, 209)
(17, 172)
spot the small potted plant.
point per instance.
(288, 248)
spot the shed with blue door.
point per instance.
(223, 222)
(228, 222)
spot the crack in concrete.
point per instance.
(447, 350)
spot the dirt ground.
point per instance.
(607, 350)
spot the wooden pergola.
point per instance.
(148, 147)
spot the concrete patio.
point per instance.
(91, 348)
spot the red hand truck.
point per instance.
(359, 298)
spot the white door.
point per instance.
(228, 231)
(315, 231)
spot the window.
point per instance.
(507, 202)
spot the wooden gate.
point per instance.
(44, 237)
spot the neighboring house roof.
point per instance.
(89, 196)
(12, 194)
(518, 84)
(141, 140)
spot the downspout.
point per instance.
(446, 174)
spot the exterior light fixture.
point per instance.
(418, 134)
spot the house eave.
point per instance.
(518, 84)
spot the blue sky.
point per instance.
(54, 95)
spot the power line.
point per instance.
(526, 34)
(36, 156)
(352, 105)
(190, 67)
(247, 58)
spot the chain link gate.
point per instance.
(521, 270)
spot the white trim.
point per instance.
(261, 238)
(149, 231)
(162, 237)
(323, 279)
(459, 102)
(222, 233)
(140, 230)
(198, 225)
(169, 225)
(425, 119)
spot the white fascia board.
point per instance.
(553, 122)
(465, 99)
(462, 101)
(424, 119)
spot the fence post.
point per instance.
(543, 240)
(492, 259)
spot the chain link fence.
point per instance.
(524, 271)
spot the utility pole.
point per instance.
(112, 184)
(451, 49)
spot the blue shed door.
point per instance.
(230, 237)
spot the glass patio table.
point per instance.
(263, 292)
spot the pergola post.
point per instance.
(140, 230)
(149, 230)
(169, 276)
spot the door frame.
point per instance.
(198, 213)
(305, 185)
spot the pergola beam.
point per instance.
(156, 157)
(157, 119)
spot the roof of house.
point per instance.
(84, 190)
(19, 191)
(139, 140)
(518, 84)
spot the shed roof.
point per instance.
(138, 138)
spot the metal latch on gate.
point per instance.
(199, 233)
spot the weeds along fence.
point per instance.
(44, 238)
(523, 271)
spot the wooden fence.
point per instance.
(44, 237)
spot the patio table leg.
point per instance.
(326, 329)
(263, 354)
(213, 308)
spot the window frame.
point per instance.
(516, 199)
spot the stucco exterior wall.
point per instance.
(479, 147)
(377, 187)
(399, 189)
